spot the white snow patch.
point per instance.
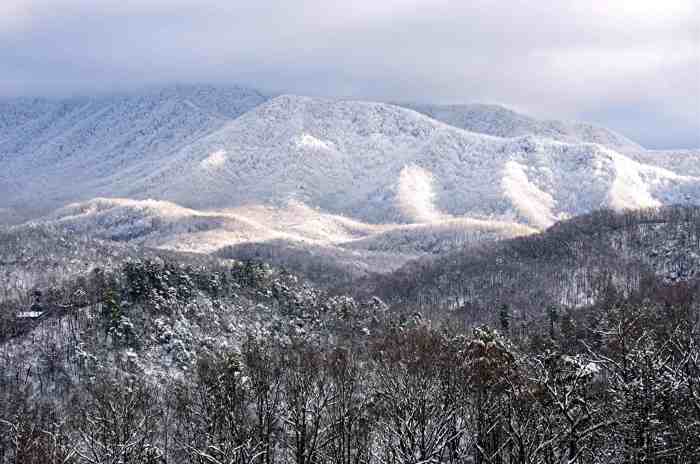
(308, 141)
(630, 190)
(215, 160)
(29, 314)
(415, 195)
(529, 200)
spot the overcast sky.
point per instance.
(632, 65)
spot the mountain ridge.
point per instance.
(208, 148)
(501, 121)
(327, 146)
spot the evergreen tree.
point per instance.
(553, 315)
(111, 310)
(504, 317)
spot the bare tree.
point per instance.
(116, 423)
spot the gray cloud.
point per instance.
(633, 65)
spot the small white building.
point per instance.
(35, 312)
(30, 314)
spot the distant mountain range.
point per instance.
(219, 159)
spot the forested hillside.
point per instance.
(162, 361)
(572, 264)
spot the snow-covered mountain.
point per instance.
(55, 151)
(502, 122)
(205, 148)
(382, 163)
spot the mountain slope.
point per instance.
(52, 151)
(374, 162)
(503, 122)
(681, 161)
(380, 163)
(574, 263)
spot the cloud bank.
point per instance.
(633, 65)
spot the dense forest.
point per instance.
(483, 356)
(573, 263)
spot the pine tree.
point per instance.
(504, 317)
(111, 310)
(553, 315)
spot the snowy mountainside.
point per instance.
(46, 256)
(206, 148)
(18, 111)
(502, 122)
(153, 224)
(382, 163)
(171, 314)
(438, 237)
(53, 151)
(166, 225)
